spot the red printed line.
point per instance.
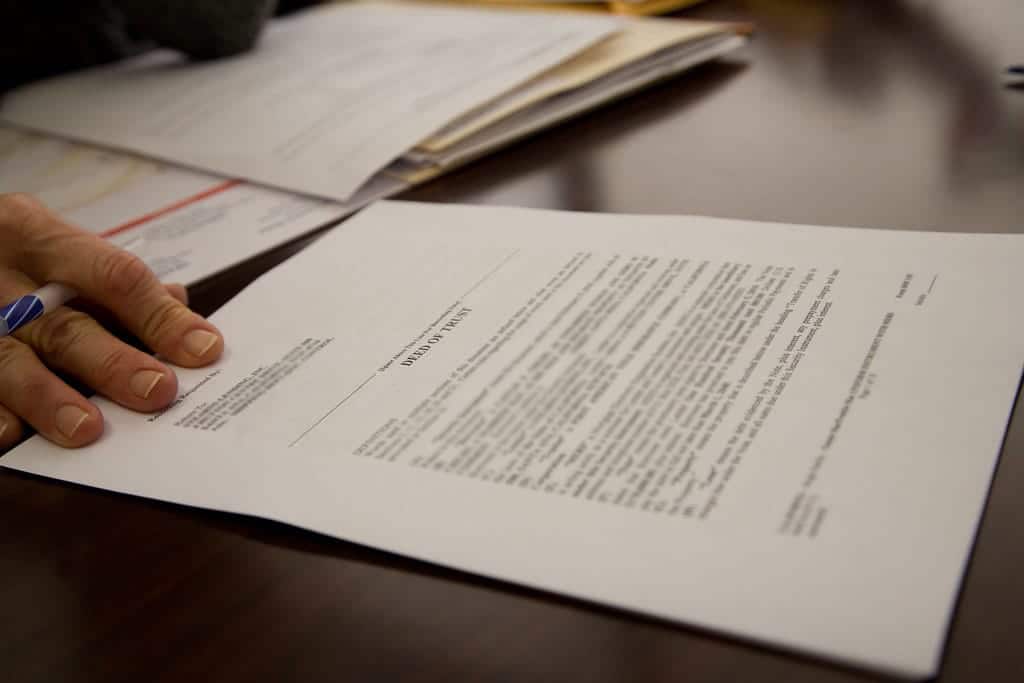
(216, 189)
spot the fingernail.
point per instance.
(143, 382)
(3, 428)
(198, 342)
(69, 419)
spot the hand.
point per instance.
(37, 247)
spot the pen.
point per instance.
(1014, 76)
(24, 310)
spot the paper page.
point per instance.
(187, 225)
(329, 98)
(779, 432)
(638, 40)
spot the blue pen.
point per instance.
(1014, 76)
(22, 311)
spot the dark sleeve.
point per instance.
(40, 38)
(200, 28)
(45, 37)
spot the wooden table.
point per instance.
(860, 113)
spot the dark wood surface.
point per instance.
(879, 114)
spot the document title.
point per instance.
(436, 337)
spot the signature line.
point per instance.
(488, 276)
(332, 410)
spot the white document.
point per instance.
(330, 97)
(186, 225)
(779, 432)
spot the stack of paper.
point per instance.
(350, 96)
(643, 50)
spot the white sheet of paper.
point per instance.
(780, 432)
(187, 225)
(329, 98)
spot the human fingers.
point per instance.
(29, 391)
(75, 344)
(178, 292)
(50, 250)
(10, 429)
